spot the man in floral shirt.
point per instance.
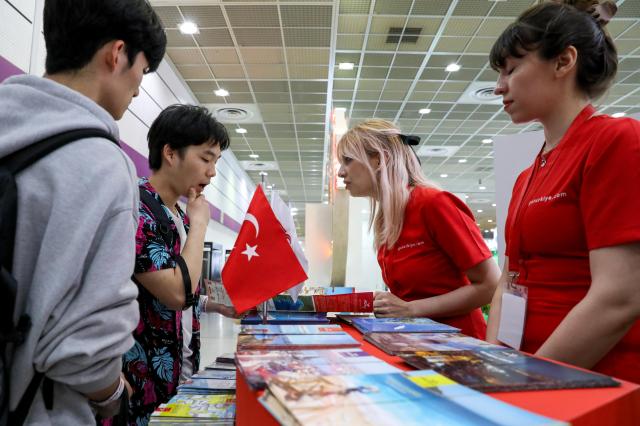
(185, 142)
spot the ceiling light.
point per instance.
(269, 186)
(479, 210)
(294, 209)
(462, 160)
(444, 175)
(466, 196)
(221, 92)
(490, 220)
(424, 110)
(340, 109)
(241, 130)
(452, 68)
(347, 66)
(254, 156)
(263, 174)
(482, 188)
(487, 140)
(188, 28)
(493, 205)
(619, 114)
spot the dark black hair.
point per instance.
(180, 126)
(74, 30)
(550, 28)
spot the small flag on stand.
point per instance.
(262, 262)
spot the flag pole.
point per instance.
(264, 304)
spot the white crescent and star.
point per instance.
(250, 251)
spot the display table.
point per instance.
(618, 406)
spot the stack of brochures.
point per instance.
(197, 409)
(401, 325)
(412, 398)
(259, 366)
(275, 317)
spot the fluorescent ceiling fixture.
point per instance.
(444, 175)
(269, 186)
(188, 28)
(254, 156)
(493, 205)
(487, 140)
(482, 188)
(340, 109)
(619, 114)
(241, 130)
(489, 220)
(294, 209)
(264, 174)
(347, 66)
(466, 196)
(424, 110)
(479, 210)
(221, 92)
(452, 68)
(462, 160)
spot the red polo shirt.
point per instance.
(582, 195)
(438, 243)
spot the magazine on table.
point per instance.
(505, 370)
(209, 409)
(276, 317)
(398, 343)
(291, 329)
(295, 341)
(258, 366)
(413, 398)
(401, 325)
(349, 302)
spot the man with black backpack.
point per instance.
(68, 213)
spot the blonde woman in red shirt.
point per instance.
(430, 250)
(573, 233)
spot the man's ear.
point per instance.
(566, 61)
(169, 155)
(114, 53)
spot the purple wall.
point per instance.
(7, 69)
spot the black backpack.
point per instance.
(12, 334)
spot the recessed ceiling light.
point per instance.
(493, 205)
(424, 110)
(347, 66)
(479, 210)
(490, 220)
(188, 28)
(452, 68)
(618, 114)
(254, 156)
(340, 109)
(444, 175)
(221, 92)
(462, 160)
(487, 140)
(482, 188)
(263, 174)
(241, 130)
(466, 196)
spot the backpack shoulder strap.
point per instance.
(26, 156)
(164, 228)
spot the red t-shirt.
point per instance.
(438, 243)
(585, 196)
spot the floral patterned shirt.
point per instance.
(152, 365)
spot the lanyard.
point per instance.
(515, 240)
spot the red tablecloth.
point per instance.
(618, 406)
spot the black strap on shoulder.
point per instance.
(164, 228)
(26, 156)
(19, 415)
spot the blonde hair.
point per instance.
(399, 169)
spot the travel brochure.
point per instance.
(350, 302)
(505, 370)
(291, 329)
(276, 317)
(295, 341)
(207, 386)
(399, 343)
(413, 398)
(209, 409)
(258, 366)
(401, 325)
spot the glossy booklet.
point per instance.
(295, 341)
(401, 325)
(259, 366)
(413, 398)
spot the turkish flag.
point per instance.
(262, 262)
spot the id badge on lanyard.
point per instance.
(513, 313)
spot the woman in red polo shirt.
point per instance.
(573, 229)
(430, 250)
